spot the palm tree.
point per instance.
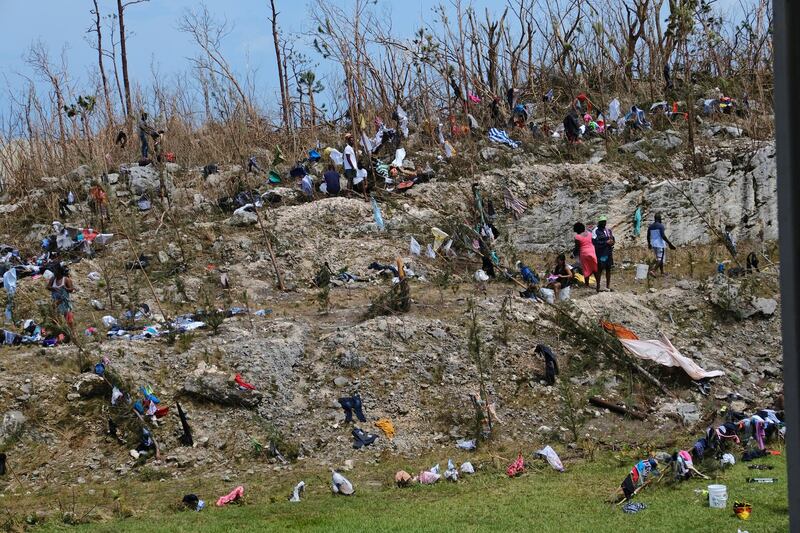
(307, 84)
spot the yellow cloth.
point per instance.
(579, 278)
(438, 238)
(385, 425)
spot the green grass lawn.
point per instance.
(541, 500)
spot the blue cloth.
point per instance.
(376, 212)
(637, 222)
(500, 136)
(655, 235)
(528, 275)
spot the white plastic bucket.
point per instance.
(717, 496)
(641, 271)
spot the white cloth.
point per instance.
(103, 238)
(348, 151)
(337, 157)
(300, 487)
(361, 175)
(614, 112)
(10, 281)
(399, 157)
(664, 353)
(340, 485)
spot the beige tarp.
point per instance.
(664, 353)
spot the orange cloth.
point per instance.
(619, 331)
(385, 425)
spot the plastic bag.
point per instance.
(552, 457)
(403, 120)
(438, 238)
(614, 110)
(415, 247)
(548, 295)
(430, 253)
(481, 276)
(376, 213)
(109, 321)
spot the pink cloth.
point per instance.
(234, 495)
(587, 254)
(474, 98)
(664, 353)
(761, 434)
(687, 458)
(428, 478)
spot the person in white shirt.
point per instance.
(350, 162)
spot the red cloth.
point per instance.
(234, 495)
(242, 383)
(517, 467)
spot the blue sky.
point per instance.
(156, 42)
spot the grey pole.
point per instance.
(787, 88)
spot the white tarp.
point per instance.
(664, 353)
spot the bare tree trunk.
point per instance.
(689, 102)
(100, 66)
(124, 57)
(116, 70)
(281, 67)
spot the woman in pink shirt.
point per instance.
(585, 250)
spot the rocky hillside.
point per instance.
(309, 346)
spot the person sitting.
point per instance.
(307, 186)
(332, 181)
(562, 276)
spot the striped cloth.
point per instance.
(500, 136)
(513, 204)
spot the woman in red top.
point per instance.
(585, 250)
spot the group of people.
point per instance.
(595, 249)
(358, 176)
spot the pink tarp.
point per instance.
(664, 353)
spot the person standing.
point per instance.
(60, 287)
(658, 242)
(350, 161)
(144, 131)
(584, 249)
(603, 240)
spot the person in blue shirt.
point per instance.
(332, 181)
(658, 242)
